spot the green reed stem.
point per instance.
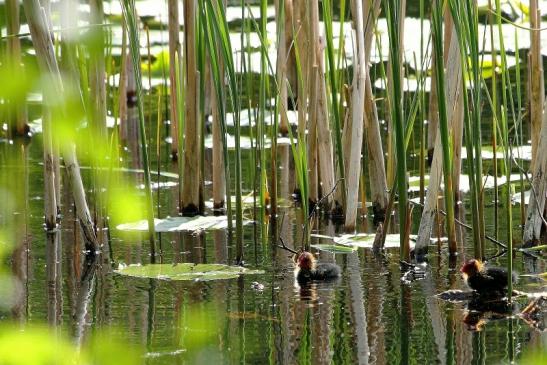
(128, 8)
(393, 11)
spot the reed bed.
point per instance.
(329, 91)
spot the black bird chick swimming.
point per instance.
(488, 281)
(308, 269)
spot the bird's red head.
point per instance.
(471, 267)
(306, 261)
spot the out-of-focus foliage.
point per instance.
(36, 346)
(534, 357)
(40, 345)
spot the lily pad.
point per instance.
(335, 248)
(180, 224)
(364, 240)
(516, 198)
(186, 271)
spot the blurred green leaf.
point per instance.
(36, 346)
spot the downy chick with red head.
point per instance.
(307, 268)
(489, 281)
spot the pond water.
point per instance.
(368, 316)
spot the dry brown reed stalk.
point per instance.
(18, 111)
(98, 103)
(189, 202)
(43, 45)
(174, 56)
(536, 86)
(455, 120)
(283, 60)
(534, 225)
(219, 177)
(355, 130)
(376, 163)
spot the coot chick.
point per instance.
(488, 281)
(307, 269)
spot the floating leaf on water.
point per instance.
(487, 181)
(365, 240)
(156, 185)
(186, 271)
(180, 224)
(516, 198)
(518, 152)
(335, 248)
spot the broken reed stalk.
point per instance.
(17, 108)
(355, 128)
(506, 86)
(43, 45)
(454, 81)
(174, 55)
(283, 12)
(50, 201)
(261, 126)
(534, 215)
(442, 162)
(323, 151)
(536, 85)
(189, 203)
(130, 16)
(376, 163)
(336, 104)
(312, 15)
(98, 103)
(324, 140)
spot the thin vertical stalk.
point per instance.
(335, 90)
(355, 130)
(507, 153)
(128, 7)
(189, 200)
(174, 54)
(219, 178)
(443, 125)
(393, 12)
(18, 111)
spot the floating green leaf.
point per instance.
(186, 271)
(180, 224)
(335, 248)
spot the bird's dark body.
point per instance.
(322, 271)
(490, 281)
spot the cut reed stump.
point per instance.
(537, 93)
(47, 62)
(353, 167)
(189, 203)
(174, 59)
